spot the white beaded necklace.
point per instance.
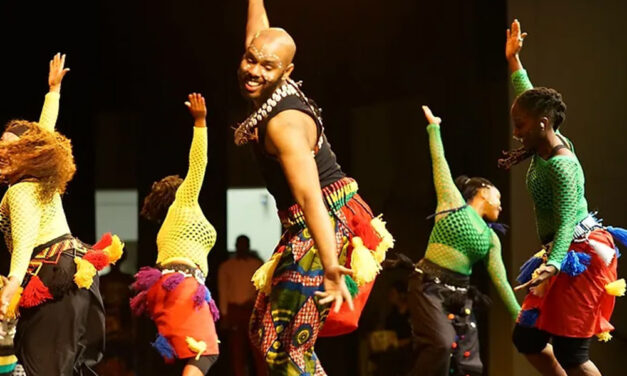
(245, 131)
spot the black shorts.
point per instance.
(570, 352)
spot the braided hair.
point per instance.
(469, 187)
(539, 101)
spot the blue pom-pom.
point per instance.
(618, 254)
(575, 263)
(528, 317)
(207, 295)
(164, 348)
(526, 271)
(619, 234)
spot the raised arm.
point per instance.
(50, 110)
(25, 217)
(188, 192)
(447, 193)
(513, 46)
(496, 269)
(257, 20)
(290, 137)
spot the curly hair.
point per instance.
(539, 101)
(37, 154)
(161, 196)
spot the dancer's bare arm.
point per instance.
(257, 20)
(290, 137)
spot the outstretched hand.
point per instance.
(431, 119)
(197, 108)
(514, 41)
(541, 274)
(57, 72)
(9, 289)
(335, 290)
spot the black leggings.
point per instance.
(569, 352)
(204, 363)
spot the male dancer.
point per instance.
(323, 217)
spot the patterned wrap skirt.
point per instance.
(287, 318)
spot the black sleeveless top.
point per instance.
(329, 171)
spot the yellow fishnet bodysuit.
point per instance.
(461, 238)
(186, 235)
(25, 219)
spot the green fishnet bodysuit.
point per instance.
(556, 186)
(461, 238)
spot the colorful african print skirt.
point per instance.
(287, 318)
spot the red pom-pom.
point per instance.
(104, 242)
(97, 258)
(366, 232)
(34, 293)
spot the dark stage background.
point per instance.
(369, 64)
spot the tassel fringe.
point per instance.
(97, 258)
(215, 312)
(619, 234)
(199, 296)
(173, 281)
(146, 278)
(604, 337)
(387, 240)
(139, 303)
(363, 264)
(85, 273)
(616, 288)
(114, 250)
(164, 348)
(351, 285)
(34, 293)
(262, 279)
(199, 347)
(528, 317)
(575, 263)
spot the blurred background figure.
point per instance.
(236, 299)
(390, 347)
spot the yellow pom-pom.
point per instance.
(13, 309)
(198, 347)
(616, 288)
(114, 251)
(387, 240)
(262, 279)
(85, 273)
(363, 264)
(604, 337)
